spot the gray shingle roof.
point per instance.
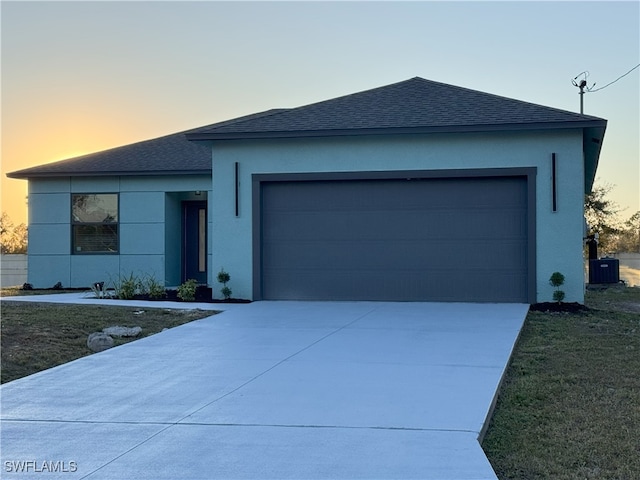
(161, 155)
(168, 155)
(411, 106)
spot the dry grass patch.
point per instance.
(19, 292)
(37, 336)
(568, 408)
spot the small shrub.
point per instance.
(223, 278)
(557, 280)
(226, 291)
(127, 287)
(187, 291)
(57, 286)
(558, 296)
(27, 286)
(154, 288)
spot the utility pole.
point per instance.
(582, 86)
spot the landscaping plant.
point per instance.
(98, 289)
(223, 278)
(557, 280)
(155, 290)
(127, 287)
(187, 291)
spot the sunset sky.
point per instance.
(80, 77)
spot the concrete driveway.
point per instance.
(273, 390)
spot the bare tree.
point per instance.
(602, 216)
(13, 239)
(629, 237)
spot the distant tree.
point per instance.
(629, 237)
(5, 225)
(602, 216)
(13, 239)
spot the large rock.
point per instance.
(99, 341)
(118, 331)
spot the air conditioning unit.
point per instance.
(604, 270)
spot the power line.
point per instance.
(611, 83)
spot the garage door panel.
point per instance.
(438, 286)
(428, 239)
(426, 255)
(339, 285)
(389, 225)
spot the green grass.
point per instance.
(569, 407)
(37, 336)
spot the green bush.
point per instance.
(223, 278)
(558, 296)
(154, 288)
(187, 291)
(557, 280)
(126, 287)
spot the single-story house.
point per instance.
(415, 191)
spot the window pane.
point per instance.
(95, 208)
(95, 238)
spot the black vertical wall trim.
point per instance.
(554, 191)
(256, 223)
(237, 187)
(532, 249)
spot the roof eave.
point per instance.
(592, 139)
(212, 136)
(25, 174)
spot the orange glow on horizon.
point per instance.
(62, 141)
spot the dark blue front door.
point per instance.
(194, 241)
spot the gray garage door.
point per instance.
(435, 239)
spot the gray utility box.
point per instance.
(605, 270)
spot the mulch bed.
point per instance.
(568, 307)
(203, 295)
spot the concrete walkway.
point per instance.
(272, 390)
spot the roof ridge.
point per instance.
(293, 110)
(502, 97)
(382, 87)
(407, 105)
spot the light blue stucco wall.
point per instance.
(558, 234)
(149, 240)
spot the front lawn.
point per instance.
(570, 404)
(37, 336)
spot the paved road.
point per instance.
(631, 276)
